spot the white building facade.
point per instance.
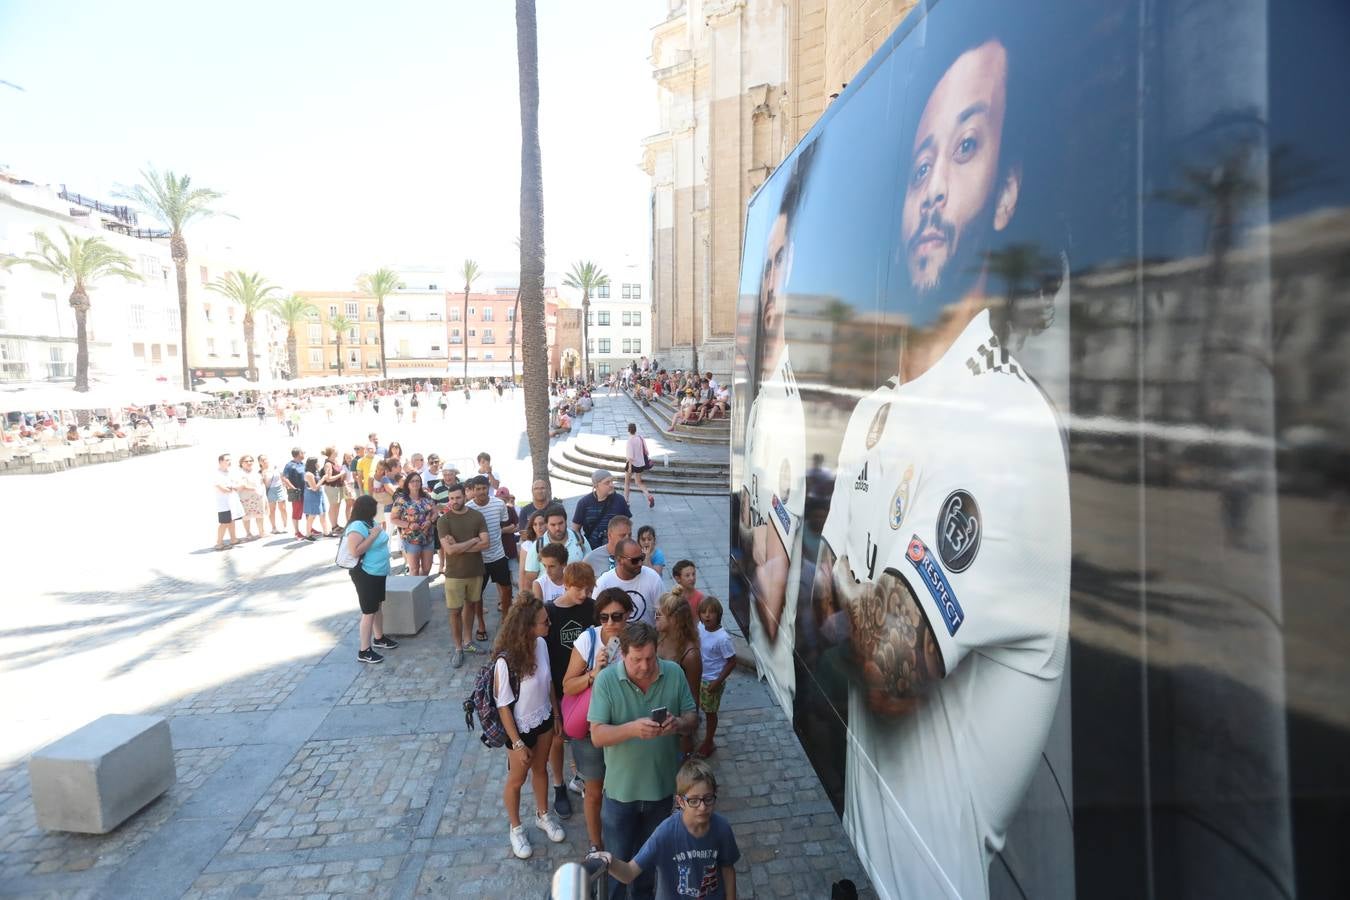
(620, 326)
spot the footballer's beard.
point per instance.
(963, 270)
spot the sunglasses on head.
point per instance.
(602, 618)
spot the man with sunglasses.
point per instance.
(641, 583)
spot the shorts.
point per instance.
(334, 494)
(369, 589)
(532, 736)
(459, 591)
(498, 572)
(709, 697)
(638, 470)
(224, 518)
(589, 758)
(412, 546)
(297, 510)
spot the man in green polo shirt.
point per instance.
(641, 754)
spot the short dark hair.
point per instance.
(682, 565)
(453, 487)
(364, 509)
(555, 552)
(553, 509)
(632, 429)
(637, 634)
(611, 596)
(646, 529)
(478, 481)
(296, 453)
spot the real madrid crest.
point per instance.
(878, 426)
(900, 499)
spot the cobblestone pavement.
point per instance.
(300, 771)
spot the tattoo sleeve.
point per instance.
(893, 646)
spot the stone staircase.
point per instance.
(662, 409)
(574, 460)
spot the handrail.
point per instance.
(585, 880)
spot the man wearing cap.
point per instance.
(591, 517)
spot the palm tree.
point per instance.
(340, 325)
(251, 291)
(380, 284)
(469, 272)
(293, 310)
(586, 276)
(172, 200)
(532, 241)
(84, 261)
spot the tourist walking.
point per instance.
(414, 513)
(463, 536)
(638, 461)
(523, 691)
(594, 510)
(641, 582)
(637, 712)
(368, 543)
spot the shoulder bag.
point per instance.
(575, 707)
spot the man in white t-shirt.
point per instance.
(642, 583)
(947, 540)
(228, 506)
(555, 520)
(497, 568)
(639, 461)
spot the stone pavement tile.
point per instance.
(259, 692)
(25, 849)
(419, 668)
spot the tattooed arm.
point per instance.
(893, 646)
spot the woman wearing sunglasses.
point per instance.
(594, 649)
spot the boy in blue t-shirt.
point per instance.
(694, 851)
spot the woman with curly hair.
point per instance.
(679, 643)
(522, 688)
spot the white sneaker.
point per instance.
(520, 843)
(577, 785)
(549, 826)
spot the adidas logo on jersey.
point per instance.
(861, 483)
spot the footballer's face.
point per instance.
(777, 265)
(954, 192)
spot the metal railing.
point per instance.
(121, 213)
(585, 880)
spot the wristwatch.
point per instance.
(518, 745)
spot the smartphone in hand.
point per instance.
(659, 714)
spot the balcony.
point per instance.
(13, 371)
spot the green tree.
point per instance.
(586, 276)
(251, 291)
(172, 200)
(380, 284)
(340, 325)
(293, 310)
(533, 345)
(470, 273)
(83, 262)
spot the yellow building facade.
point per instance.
(739, 83)
(316, 341)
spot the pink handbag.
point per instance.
(575, 707)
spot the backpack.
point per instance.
(482, 702)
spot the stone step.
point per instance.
(683, 434)
(567, 471)
(612, 451)
(579, 463)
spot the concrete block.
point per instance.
(94, 779)
(407, 603)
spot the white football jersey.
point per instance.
(956, 483)
(775, 480)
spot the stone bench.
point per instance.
(407, 603)
(94, 779)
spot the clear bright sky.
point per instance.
(346, 135)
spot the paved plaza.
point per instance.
(300, 771)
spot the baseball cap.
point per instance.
(600, 475)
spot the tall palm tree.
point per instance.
(172, 200)
(380, 284)
(340, 325)
(532, 241)
(251, 291)
(586, 276)
(469, 272)
(83, 261)
(293, 310)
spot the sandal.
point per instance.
(480, 636)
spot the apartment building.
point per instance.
(620, 324)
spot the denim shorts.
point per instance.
(411, 546)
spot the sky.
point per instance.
(344, 135)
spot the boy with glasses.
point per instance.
(693, 852)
